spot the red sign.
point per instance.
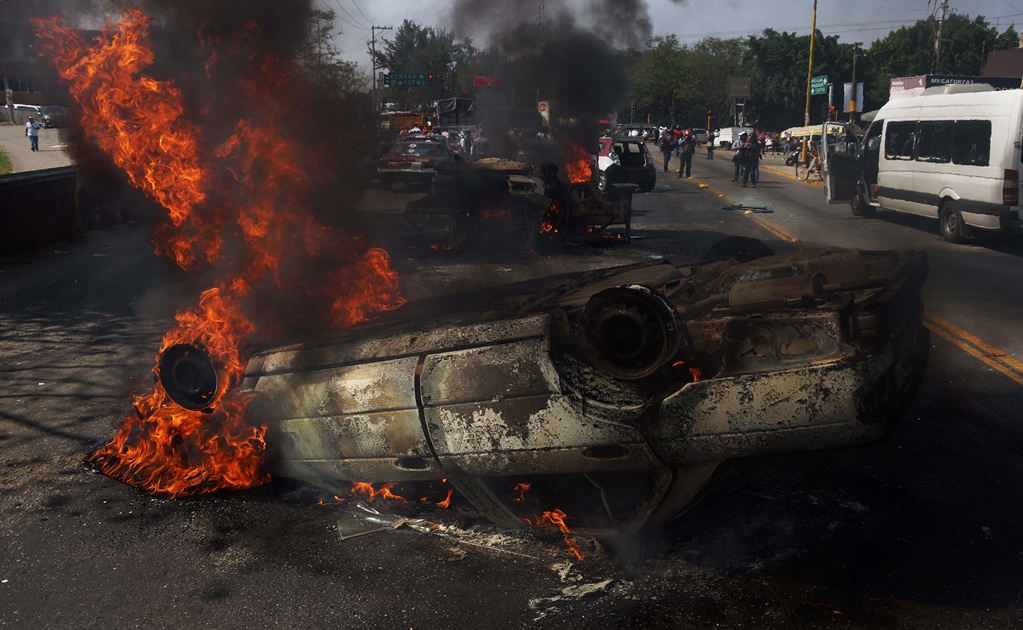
(484, 80)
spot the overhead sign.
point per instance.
(409, 79)
(819, 85)
(486, 80)
(740, 87)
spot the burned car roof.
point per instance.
(621, 389)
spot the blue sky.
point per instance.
(690, 20)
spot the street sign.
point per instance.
(819, 85)
(740, 87)
(409, 79)
(541, 106)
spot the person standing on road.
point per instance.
(737, 156)
(667, 145)
(32, 131)
(687, 147)
(751, 152)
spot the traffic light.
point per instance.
(387, 79)
(429, 79)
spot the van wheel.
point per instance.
(860, 206)
(950, 223)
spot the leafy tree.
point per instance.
(424, 49)
(909, 51)
(321, 59)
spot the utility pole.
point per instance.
(809, 70)
(809, 78)
(373, 59)
(937, 38)
(852, 92)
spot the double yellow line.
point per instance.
(975, 347)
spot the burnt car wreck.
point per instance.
(615, 392)
(513, 203)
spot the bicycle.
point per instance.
(810, 167)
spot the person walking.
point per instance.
(751, 152)
(687, 147)
(737, 156)
(32, 131)
(667, 145)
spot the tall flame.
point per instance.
(142, 124)
(578, 163)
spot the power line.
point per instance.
(338, 4)
(360, 11)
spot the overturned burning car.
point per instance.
(614, 392)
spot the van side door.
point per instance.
(840, 162)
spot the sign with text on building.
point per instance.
(819, 85)
(486, 80)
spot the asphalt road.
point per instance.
(917, 531)
(50, 154)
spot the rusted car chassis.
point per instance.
(511, 203)
(615, 392)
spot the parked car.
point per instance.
(701, 135)
(412, 162)
(53, 116)
(625, 161)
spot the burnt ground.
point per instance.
(917, 531)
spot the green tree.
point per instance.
(321, 60)
(424, 49)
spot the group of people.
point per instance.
(746, 154)
(681, 142)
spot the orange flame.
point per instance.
(371, 493)
(578, 163)
(522, 488)
(446, 503)
(557, 518)
(142, 124)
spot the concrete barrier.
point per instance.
(40, 208)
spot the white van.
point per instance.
(952, 153)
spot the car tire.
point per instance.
(860, 206)
(950, 222)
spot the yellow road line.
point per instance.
(774, 229)
(975, 347)
(965, 341)
(774, 171)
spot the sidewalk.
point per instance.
(51, 152)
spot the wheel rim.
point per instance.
(951, 223)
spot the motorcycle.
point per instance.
(792, 158)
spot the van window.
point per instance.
(971, 144)
(899, 140)
(934, 141)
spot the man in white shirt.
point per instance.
(32, 131)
